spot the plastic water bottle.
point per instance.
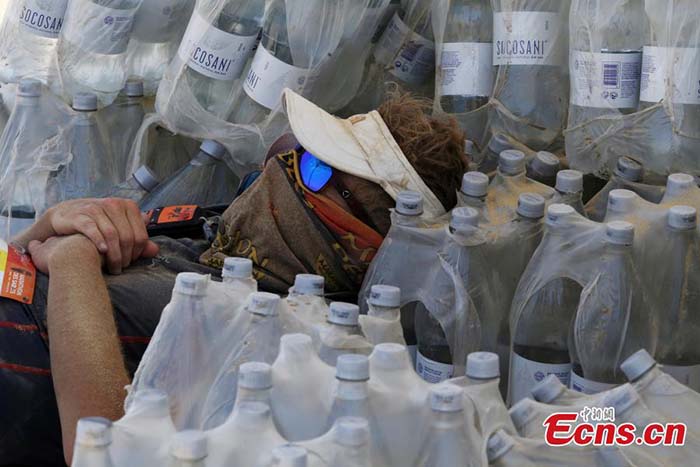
(448, 443)
(308, 284)
(306, 298)
(551, 391)
(351, 392)
(540, 338)
(473, 192)
(165, 153)
(569, 188)
(93, 437)
(254, 383)
(289, 456)
(206, 181)
(384, 302)
(543, 168)
(158, 29)
(140, 184)
(91, 171)
(31, 51)
(434, 359)
(141, 436)
(122, 120)
(628, 173)
(188, 449)
(237, 274)
(343, 322)
(217, 52)
(512, 166)
(352, 443)
(93, 44)
(489, 160)
(467, 71)
(679, 187)
(606, 58)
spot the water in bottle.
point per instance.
(206, 181)
(543, 168)
(91, 171)
(569, 186)
(93, 437)
(188, 449)
(467, 73)
(238, 277)
(216, 52)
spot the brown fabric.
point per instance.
(286, 230)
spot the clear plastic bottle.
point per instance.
(606, 58)
(122, 121)
(352, 443)
(543, 168)
(681, 188)
(448, 443)
(512, 166)
(467, 57)
(206, 181)
(188, 449)
(92, 47)
(142, 434)
(434, 358)
(551, 391)
(289, 456)
(254, 383)
(237, 275)
(540, 338)
(343, 322)
(306, 298)
(384, 302)
(91, 172)
(489, 160)
(93, 437)
(34, 46)
(166, 152)
(569, 188)
(350, 392)
(140, 184)
(217, 52)
(473, 192)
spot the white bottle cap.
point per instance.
(263, 303)
(619, 233)
(629, 169)
(559, 214)
(133, 87)
(511, 162)
(390, 356)
(483, 365)
(621, 398)
(255, 375)
(352, 431)
(29, 87)
(189, 445)
(522, 412)
(622, 201)
(409, 203)
(498, 445)
(213, 148)
(237, 268)
(548, 389)
(190, 283)
(546, 164)
(569, 181)
(352, 367)
(446, 398)
(531, 205)
(154, 399)
(309, 284)
(296, 344)
(499, 143)
(682, 218)
(85, 102)
(344, 314)
(677, 184)
(385, 295)
(93, 432)
(637, 365)
(475, 184)
(290, 456)
(146, 178)
(464, 219)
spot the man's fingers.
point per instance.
(117, 214)
(33, 246)
(139, 229)
(88, 227)
(111, 235)
(151, 250)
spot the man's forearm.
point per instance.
(86, 361)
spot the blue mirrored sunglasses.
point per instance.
(315, 174)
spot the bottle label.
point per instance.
(412, 56)
(526, 374)
(688, 375)
(268, 76)
(158, 21)
(43, 18)
(671, 67)
(432, 371)
(527, 38)
(587, 386)
(606, 80)
(99, 29)
(467, 69)
(214, 53)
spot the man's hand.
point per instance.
(115, 226)
(57, 250)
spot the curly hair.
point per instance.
(433, 145)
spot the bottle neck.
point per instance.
(252, 395)
(448, 420)
(383, 312)
(249, 419)
(85, 456)
(480, 381)
(351, 390)
(182, 463)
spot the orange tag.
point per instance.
(176, 214)
(17, 274)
